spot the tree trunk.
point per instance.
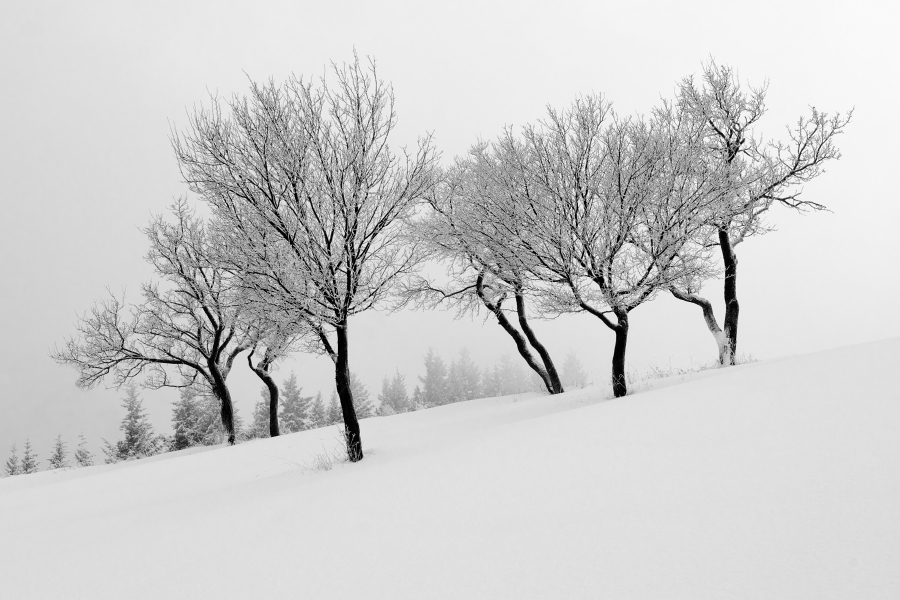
(220, 390)
(732, 307)
(521, 343)
(708, 316)
(554, 385)
(263, 373)
(342, 381)
(619, 385)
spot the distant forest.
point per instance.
(196, 419)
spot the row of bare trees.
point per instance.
(315, 218)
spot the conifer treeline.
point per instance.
(196, 420)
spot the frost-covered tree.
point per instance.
(304, 178)
(195, 419)
(140, 439)
(607, 209)
(362, 401)
(12, 466)
(317, 414)
(83, 456)
(260, 423)
(186, 329)
(393, 398)
(58, 458)
(274, 337)
(757, 176)
(29, 460)
(464, 377)
(416, 402)
(334, 413)
(435, 390)
(295, 406)
(573, 371)
(473, 228)
(509, 378)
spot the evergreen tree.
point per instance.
(492, 385)
(361, 402)
(509, 377)
(196, 419)
(83, 456)
(536, 384)
(259, 427)
(29, 460)
(393, 397)
(185, 416)
(467, 378)
(454, 385)
(12, 466)
(573, 374)
(434, 383)
(334, 410)
(140, 440)
(317, 415)
(416, 402)
(294, 407)
(58, 458)
(385, 407)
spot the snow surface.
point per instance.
(778, 479)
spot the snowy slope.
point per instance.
(778, 479)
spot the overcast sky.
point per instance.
(90, 89)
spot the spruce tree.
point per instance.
(294, 407)
(58, 458)
(393, 397)
(259, 426)
(468, 377)
(573, 374)
(83, 456)
(398, 392)
(317, 416)
(12, 466)
(185, 419)
(140, 440)
(492, 385)
(416, 402)
(29, 460)
(454, 385)
(334, 410)
(196, 419)
(385, 407)
(434, 383)
(361, 402)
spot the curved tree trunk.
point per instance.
(620, 328)
(262, 371)
(620, 388)
(732, 307)
(342, 382)
(521, 343)
(708, 316)
(220, 390)
(554, 384)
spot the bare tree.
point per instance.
(469, 228)
(756, 175)
(185, 330)
(608, 210)
(303, 177)
(275, 337)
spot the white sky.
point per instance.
(90, 89)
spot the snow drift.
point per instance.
(778, 479)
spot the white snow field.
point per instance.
(777, 479)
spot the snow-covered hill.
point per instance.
(778, 479)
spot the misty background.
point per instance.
(91, 92)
